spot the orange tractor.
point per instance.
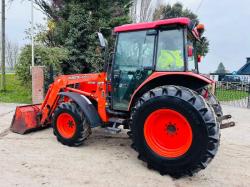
(151, 87)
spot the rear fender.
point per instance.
(86, 106)
(190, 80)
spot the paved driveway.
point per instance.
(37, 159)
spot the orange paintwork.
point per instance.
(90, 85)
(101, 96)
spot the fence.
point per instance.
(234, 93)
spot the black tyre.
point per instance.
(213, 101)
(70, 125)
(174, 130)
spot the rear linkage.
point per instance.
(213, 101)
(227, 124)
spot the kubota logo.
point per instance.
(78, 77)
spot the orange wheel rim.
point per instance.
(168, 133)
(66, 125)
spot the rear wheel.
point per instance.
(70, 125)
(174, 130)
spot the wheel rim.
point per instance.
(168, 133)
(66, 125)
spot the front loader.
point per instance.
(152, 87)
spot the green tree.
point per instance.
(221, 68)
(177, 10)
(44, 56)
(74, 26)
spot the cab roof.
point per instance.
(152, 25)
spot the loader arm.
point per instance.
(65, 83)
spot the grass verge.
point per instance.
(230, 95)
(15, 92)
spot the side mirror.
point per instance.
(190, 50)
(199, 58)
(102, 40)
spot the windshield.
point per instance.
(170, 55)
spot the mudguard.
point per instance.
(86, 106)
(185, 79)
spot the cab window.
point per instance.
(134, 52)
(170, 54)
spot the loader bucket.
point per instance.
(26, 119)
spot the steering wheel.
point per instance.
(138, 74)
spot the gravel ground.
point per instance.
(37, 159)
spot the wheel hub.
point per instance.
(71, 124)
(66, 125)
(171, 128)
(168, 133)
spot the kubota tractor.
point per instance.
(152, 87)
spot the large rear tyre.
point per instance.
(70, 125)
(174, 130)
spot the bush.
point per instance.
(44, 56)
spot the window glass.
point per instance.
(191, 59)
(135, 50)
(170, 55)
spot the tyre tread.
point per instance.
(207, 114)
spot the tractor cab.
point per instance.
(143, 49)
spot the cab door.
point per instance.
(133, 63)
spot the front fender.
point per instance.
(86, 106)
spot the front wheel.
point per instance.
(70, 125)
(174, 130)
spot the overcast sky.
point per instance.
(226, 21)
